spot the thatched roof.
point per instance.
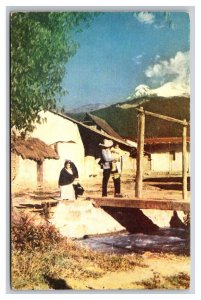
(91, 119)
(34, 149)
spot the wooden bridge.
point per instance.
(161, 204)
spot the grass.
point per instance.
(174, 282)
(43, 259)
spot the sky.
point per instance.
(122, 50)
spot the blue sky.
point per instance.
(121, 50)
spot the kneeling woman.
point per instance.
(66, 179)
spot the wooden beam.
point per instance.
(142, 203)
(140, 153)
(166, 118)
(184, 162)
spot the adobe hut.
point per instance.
(27, 160)
(77, 141)
(66, 138)
(165, 155)
(62, 134)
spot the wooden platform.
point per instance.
(177, 205)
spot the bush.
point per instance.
(26, 235)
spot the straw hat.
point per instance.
(107, 143)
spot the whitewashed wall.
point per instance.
(26, 173)
(56, 129)
(69, 144)
(162, 162)
(129, 164)
(66, 151)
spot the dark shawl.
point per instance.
(67, 178)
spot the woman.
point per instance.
(66, 179)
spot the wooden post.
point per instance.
(163, 117)
(140, 153)
(40, 174)
(184, 162)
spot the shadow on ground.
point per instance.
(132, 219)
(57, 284)
(135, 221)
(172, 183)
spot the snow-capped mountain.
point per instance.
(142, 90)
(169, 89)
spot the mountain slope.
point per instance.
(122, 117)
(87, 108)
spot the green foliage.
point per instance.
(41, 45)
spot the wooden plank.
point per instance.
(184, 162)
(142, 203)
(140, 154)
(170, 119)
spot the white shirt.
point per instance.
(107, 157)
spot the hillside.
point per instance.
(122, 117)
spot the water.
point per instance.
(166, 240)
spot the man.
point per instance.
(116, 169)
(106, 158)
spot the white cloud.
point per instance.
(159, 25)
(157, 57)
(138, 59)
(171, 89)
(176, 70)
(145, 17)
(158, 21)
(170, 77)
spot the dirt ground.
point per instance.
(159, 267)
(160, 272)
(36, 200)
(153, 188)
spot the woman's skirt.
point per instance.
(67, 192)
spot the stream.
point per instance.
(166, 240)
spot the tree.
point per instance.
(41, 45)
